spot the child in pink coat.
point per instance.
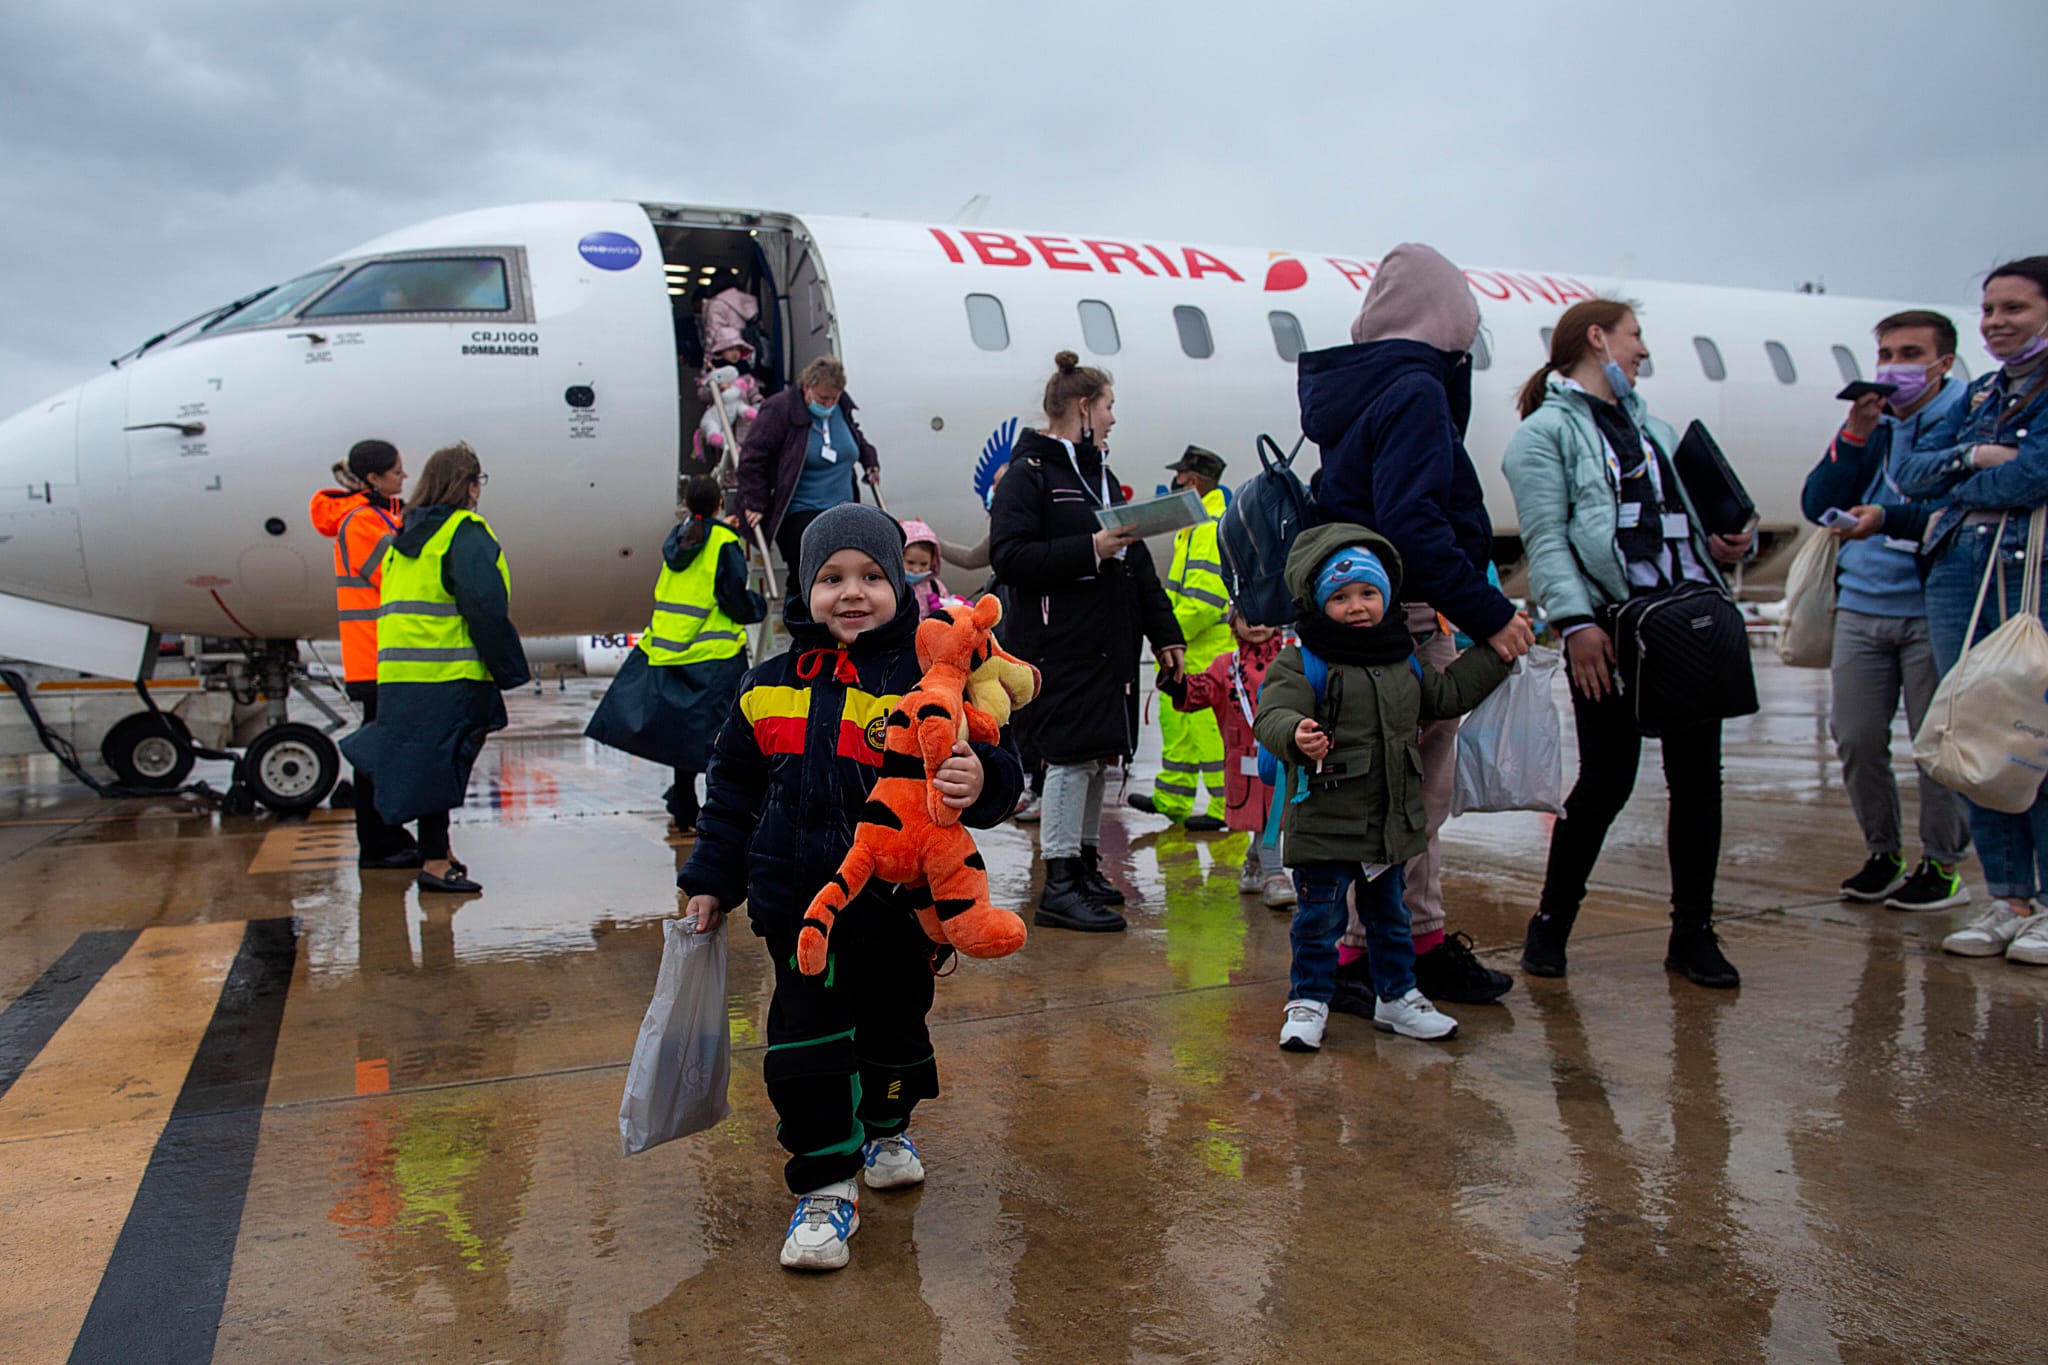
(1230, 688)
(921, 567)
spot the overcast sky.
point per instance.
(160, 157)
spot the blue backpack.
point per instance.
(1256, 532)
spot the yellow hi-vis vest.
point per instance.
(1195, 587)
(688, 627)
(421, 636)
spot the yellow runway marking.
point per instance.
(77, 1129)
(326, 839)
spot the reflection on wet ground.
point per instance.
(1835, 1163)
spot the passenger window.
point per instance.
(1286, 335)
(1781, 362)
(1845, 361)
(1546, 333)
(986, 323)
(1482, 354)
(1710, 359)
(1098, 327)
(278, 303)
(1962, 370)
(447, 284)
(1646, 369)
(1193, 325)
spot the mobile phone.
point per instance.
(1835, 517)
(1863, 386)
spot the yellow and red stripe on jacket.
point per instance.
(781, 715)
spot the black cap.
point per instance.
(1196, 460)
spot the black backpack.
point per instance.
(1256, 532)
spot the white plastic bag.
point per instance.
(1807, 637)
(676, 1084)
(1986, 731)
(1511, 748)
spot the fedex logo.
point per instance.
(1284, 270)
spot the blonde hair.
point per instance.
(824, 373)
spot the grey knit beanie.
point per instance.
(852, 526)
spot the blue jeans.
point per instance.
(2013, 848)
(1319, 919)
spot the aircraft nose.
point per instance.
(40, 548)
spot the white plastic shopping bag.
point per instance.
(1806, 639)
(1511, 748)
(676, 1084)
(1986, 731)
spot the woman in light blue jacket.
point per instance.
(1603, 519)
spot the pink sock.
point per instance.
(1346, 954)
(1424, 942)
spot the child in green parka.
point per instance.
(1352, 779)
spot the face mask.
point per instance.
(1913, 382)
(909, 577)
(2033, 347)
(1617, 378)
(821, 409)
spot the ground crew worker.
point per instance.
(1190, 742)
(361, 517)
(677, 685)
(446, 648)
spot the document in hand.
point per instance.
(1155, 516)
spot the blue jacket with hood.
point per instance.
(1390, 419)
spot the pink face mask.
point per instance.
(1912, 380)
(2034, 346)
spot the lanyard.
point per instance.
(1075, 461)
(1242, 689)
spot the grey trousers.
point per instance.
(1876, 658)
(1071, 813)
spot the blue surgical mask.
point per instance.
(909, 577)
(821, 409)
(1617, 378)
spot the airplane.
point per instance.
(167, 494)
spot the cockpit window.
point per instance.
(274, 304)
(438, 284)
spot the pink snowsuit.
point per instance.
(1230, 688)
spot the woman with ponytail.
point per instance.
(1604, 519)
(1078, 598)
(1984, 466)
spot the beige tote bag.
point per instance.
(1986, 731)
(1806, 638)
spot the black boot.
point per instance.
(1543, 946)
(1695, 954)
(1450, 973)
(1141, 801)
(1065, 905)
(1097, 887)
(1354, 994)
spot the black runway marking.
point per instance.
(28, 1024)
(165, 1284)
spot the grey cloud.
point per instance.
(162, 158)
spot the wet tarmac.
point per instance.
(258, 1106)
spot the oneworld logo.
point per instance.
(610, 250)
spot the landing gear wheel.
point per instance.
(149, 749)
(291, 767)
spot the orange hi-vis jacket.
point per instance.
(362, 528)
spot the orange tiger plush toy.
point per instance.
(907, 834)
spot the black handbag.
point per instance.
(1683, 657)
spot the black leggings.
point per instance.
(1610, 752)
(434, 836)
(789, 538)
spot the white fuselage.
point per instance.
(208, 532)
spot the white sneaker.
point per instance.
(890, 1163)
(825, 1218)
(1028, 808)
(1412, 1016)
(2030, 944)
(1278, 892)
(1988, 934)
(1303, 1029)
(1249, 880)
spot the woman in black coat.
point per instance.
(1079, 599)
(434, 711)
(799, 458)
